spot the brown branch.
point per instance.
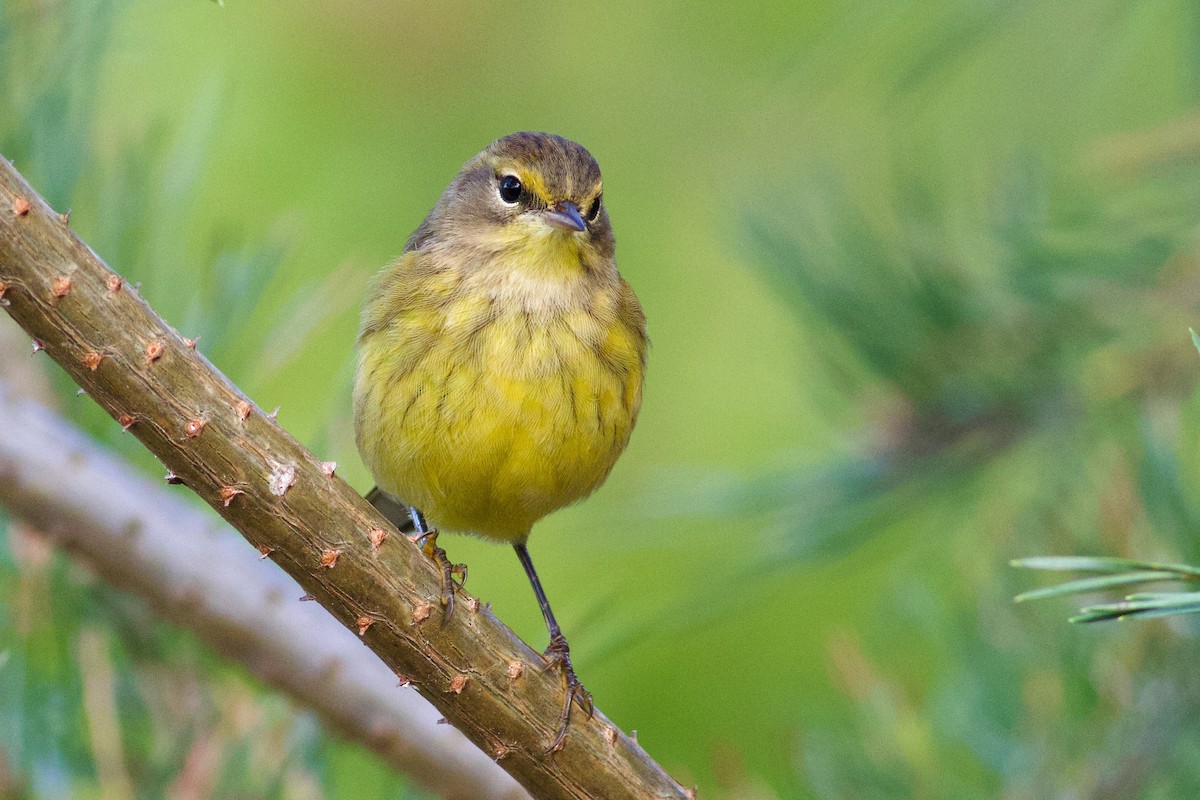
(312, 524)
(139, 537)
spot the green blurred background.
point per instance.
(918, 278)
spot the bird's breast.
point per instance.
(519, 404)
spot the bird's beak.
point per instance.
(565, 215)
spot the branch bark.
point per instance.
(140, 538)
(474, 670)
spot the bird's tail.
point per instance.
(395, 511)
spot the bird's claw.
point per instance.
(428, 544)
(558, 656)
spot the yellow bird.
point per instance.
(501, 359)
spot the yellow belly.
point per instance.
(487, 428)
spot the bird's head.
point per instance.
(531, 196)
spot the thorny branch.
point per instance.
(293, 509)
(141, 538)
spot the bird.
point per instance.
(500, 362)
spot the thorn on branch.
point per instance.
(65, 217)
(194, 428)
(38, 346)
(115, 282)
(263, 550)
(227, 493)
(363, 623)
(172, 478)
(20, 206)
(4, 287)
(377, 535)
(126, 421)
(243, 410)
(328, 467)
(60, 287)
(190, 343)
(307, 598)
(404, 679)
(274, 415)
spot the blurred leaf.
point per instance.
(1103, 564)
(1095, 584)
(307, 311)
(44, 90)
(1119, 572)
(1142, 606)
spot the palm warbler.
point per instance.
(501, 359)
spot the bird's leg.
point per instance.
(426, 538)
(558, 656)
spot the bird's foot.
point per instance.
(558, 656)
(428, 545)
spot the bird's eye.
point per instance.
(594, 209)
(510, 189)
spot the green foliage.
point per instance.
(98, 698)
(1008, 328)
(47, 92)
(1117, 573)
(1114, 573)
